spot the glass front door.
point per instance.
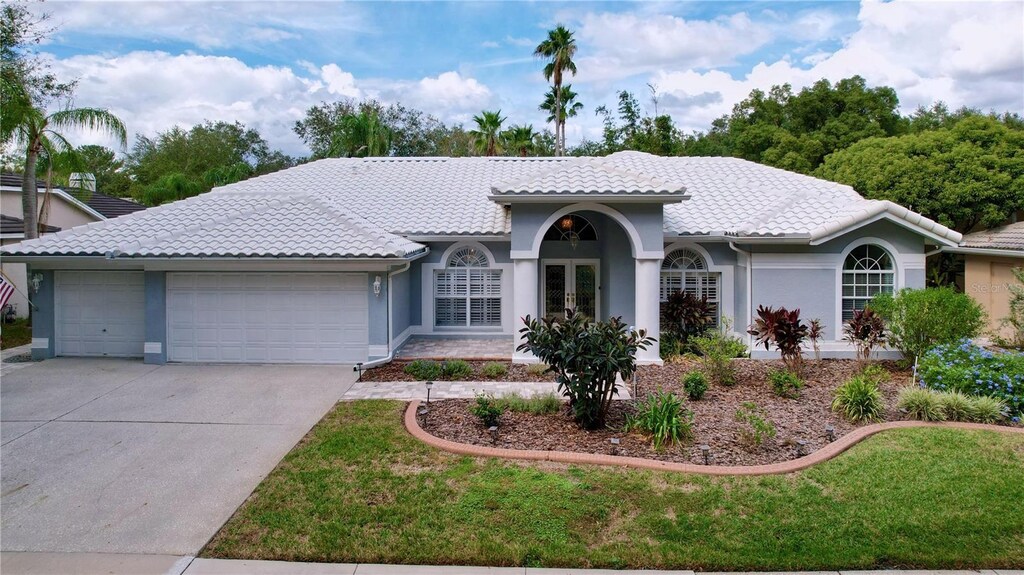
(571, 284)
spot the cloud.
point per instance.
(490, 44)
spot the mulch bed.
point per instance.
(395, 371)
(803, 418)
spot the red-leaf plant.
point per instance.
(866, 330)
(783, 329)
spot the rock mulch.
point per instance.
(803, 418)
(395, 371)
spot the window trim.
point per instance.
(433, 271)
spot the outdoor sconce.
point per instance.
(429, 384)
(37, 282)
(359, 368)
(376, 286)
(830, 433)
(801, 447)
(705, 450)
(493, 430)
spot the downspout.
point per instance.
(749, 257)
(391, 302)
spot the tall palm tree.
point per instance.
(40, 134)
(485, 136)
(519, 139)
(564, 99)
(559, 48)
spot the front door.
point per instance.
(571, 284)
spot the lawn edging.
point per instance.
(824, 454)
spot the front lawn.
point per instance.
(358, 488)
(14, 334)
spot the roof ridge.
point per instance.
(592, 162)
(788, 202)
(341, 216)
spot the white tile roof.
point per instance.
(360, 207)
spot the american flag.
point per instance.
(6, 290)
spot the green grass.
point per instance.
(358, 488)
(15, 334)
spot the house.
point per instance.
(68, 208)
(342, 260)
(989, 258)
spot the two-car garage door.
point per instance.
(267, 317)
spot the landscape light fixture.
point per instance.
(359, 368)
(830, 433)
(706, 452)
(429, 384)
(801, 447)
(493, 430)
(615, 445)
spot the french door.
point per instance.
(571, 284)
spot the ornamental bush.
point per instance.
(785, 383)
(920, 319)
(696, 384)
(424, 369)
(662, 416)
(964, 367)
(859, 399)
(586, 357)
(717, 351)
(455, 369)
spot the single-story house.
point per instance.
(989, 258)
(342, 260)
(68, 208)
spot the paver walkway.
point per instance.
(410, 390)
(417, 347)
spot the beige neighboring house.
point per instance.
(989, 257)
(66, 211)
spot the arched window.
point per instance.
(686, 270)
(571, 228)
(867, 271)
(467, 293)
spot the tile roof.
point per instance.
(1008, 237)
(359, 207)
(12, 225)
(109, 206)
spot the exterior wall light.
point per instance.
(376, 286)
(37, 282)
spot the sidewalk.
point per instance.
(7, 366)
(119, 564)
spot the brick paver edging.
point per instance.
(825, 453)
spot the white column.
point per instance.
(525, 300)
(648, 317)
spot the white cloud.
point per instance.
(339, 82)
(490, 44)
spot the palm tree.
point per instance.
(559, 47)
(361, 135)
(519, 139)
(485, 136)
(40, 135)
(565, 99)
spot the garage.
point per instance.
(100, 313)
(267, 317)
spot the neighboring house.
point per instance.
(67, 210)
(989, 257)
(341, 260)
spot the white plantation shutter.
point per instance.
(686, 270)
(467, 293)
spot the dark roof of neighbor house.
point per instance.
(107, 206)
(13, 225)
(1008, 237)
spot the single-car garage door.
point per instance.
(267, 317)
(100, 313)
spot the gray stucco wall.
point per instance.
(156, 315)
(378, 309)
(618, 274)
(647, 218)
(43, 321)
(813, 291)
(500, 251)
(402, 312)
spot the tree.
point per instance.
(968, 175)
(39, 134)
(563, 99)
(485, 136)
(361, 135)
(111, 176)
(559, 48)
(519, 140)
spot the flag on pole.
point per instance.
(6, 290)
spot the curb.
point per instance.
(824, 454)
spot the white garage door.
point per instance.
(267, 318)
(100, 313)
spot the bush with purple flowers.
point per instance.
(965, 367)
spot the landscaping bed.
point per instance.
(802, 418)
(395, 371)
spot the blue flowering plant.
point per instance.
(968, 368)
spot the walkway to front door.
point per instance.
(419, 347)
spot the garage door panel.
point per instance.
(100, 313)
(278, 318)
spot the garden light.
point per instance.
(615, 445)
(830, 433)
(429, 384)
(706, 452)
(493, 430)
(359, 368)
(801, 447)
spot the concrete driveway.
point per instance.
(114, 456)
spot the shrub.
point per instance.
(785, 383)
(685, 315)
(859, 399)
(920, 403)
(965, 367)
(454, 369)
(783, 329)
(875, 373)
(920, 319)
(587, 357)
(663, 417)
(537, 368)
(494, 369)
(756, 426)
(815, 332)
(669, 347)
(955, 405)
(487, 409)
(424, 369)
(540, 404)
(866, 330)
(695, 384)
(986, 409)
(716, 353)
